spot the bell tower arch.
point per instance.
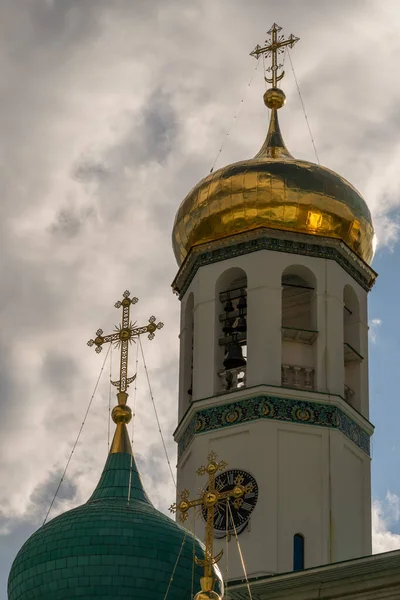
(231, 330)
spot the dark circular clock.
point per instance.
(239, 511)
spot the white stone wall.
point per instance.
(312, 480)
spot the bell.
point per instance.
(228, 326)
(241, 325)
(234, 357)
(228, 306)
(242, 304)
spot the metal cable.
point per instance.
(193, 551)
(109, 403)
(133, 425)
(227, 534)
(302, 104)
(234, 118)
(240, 554)
(155, 412)
(176, 564)
(78, 436)
(265, 79)
(135, 393)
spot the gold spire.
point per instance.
(122, 337)
(274, 98)
(274, 146)
(209, 500)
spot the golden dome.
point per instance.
(277, 191)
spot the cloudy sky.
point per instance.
(109, 113)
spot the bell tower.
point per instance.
(273, 280)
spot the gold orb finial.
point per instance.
(121, 414)
(274, 98)
(207, 589)
(207, 595)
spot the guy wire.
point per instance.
(155, 411)
(176, 564)
(265, 79)
(168, 461)
(133, 424)
(135, 393)
(234, 118)
(240, 554)
(78, 436)
(109, 402)
(193, 551)
(226, 595)
(302, 104)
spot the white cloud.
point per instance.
(110, 113)
(393, 507)
(374, 325)
(385, 514)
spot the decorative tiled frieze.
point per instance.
(259, 240)
(278, 409)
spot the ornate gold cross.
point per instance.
(209, 499)
(272, 48)
(124, 335)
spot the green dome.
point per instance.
(107, 548)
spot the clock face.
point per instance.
(240, 508)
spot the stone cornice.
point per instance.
(278, 241)
(374, 577)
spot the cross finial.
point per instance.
(209, 500)
(274, 46)
(124, 334)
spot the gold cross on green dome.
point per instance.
(124, 335)
(273, 47)
(209, 499)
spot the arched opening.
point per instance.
(352, 356)
(231, 327)
(298, 552)
(188, 346)
(299, 327)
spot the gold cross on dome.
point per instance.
(273, 47)
(124, 335)
(209, 500)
